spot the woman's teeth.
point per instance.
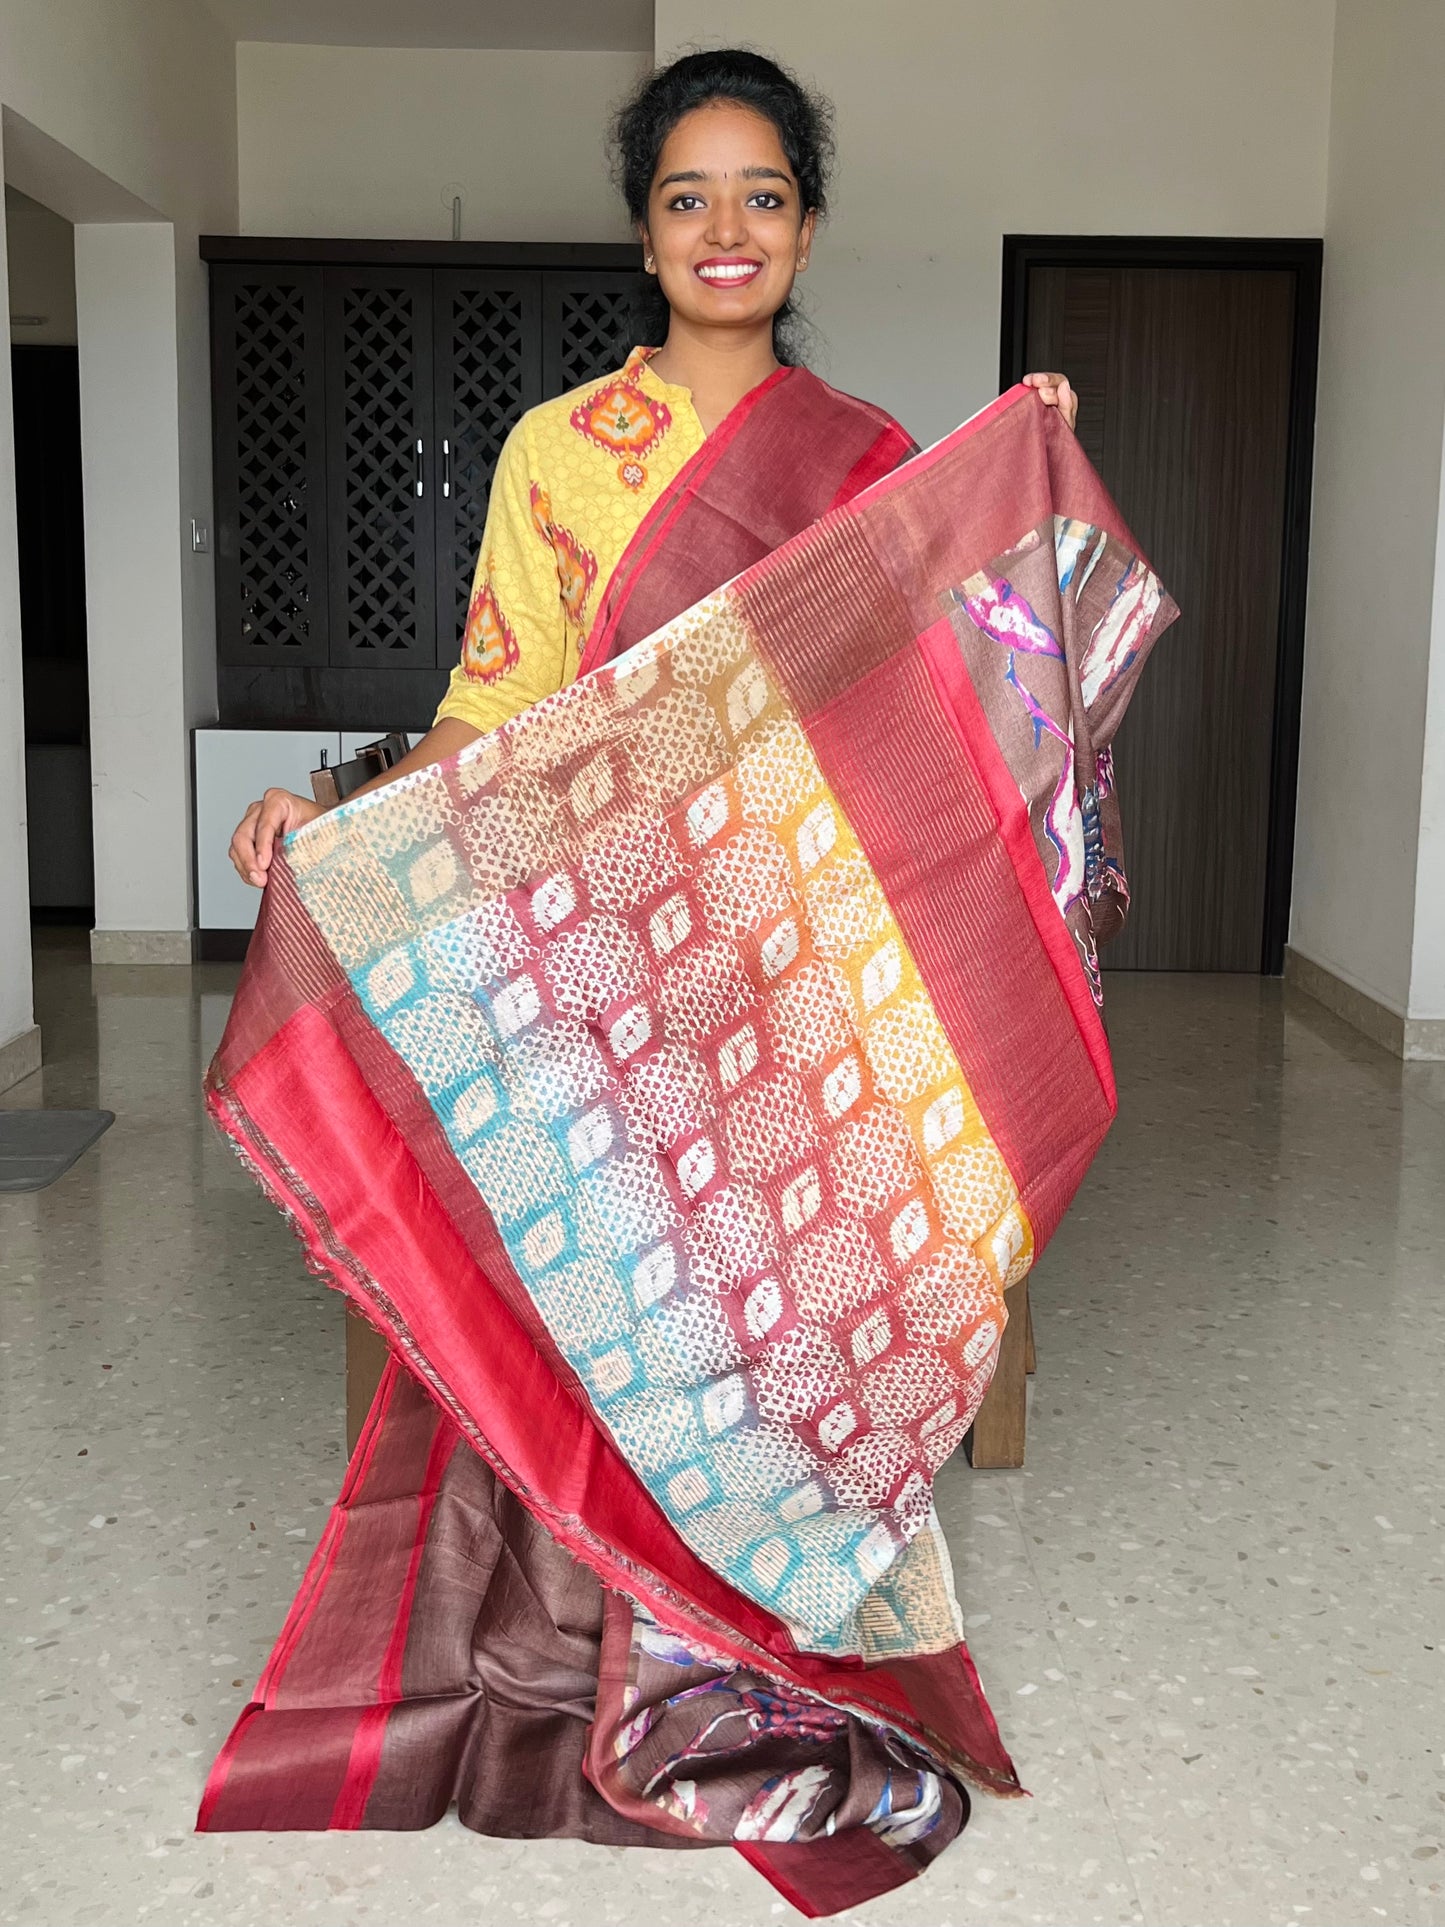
(734, 271)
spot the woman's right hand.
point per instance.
(256, 833)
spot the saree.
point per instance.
(679, 1078)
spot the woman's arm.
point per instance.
(280, 810)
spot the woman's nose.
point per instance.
(728, 227)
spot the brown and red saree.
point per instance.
(679, 1078)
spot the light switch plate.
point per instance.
(200, 538)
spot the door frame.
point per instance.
(1303, 258)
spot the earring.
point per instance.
(649, 264)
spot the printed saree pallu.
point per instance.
(679, 1077)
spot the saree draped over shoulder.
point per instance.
(679, 1078)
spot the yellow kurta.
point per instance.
(574, 479)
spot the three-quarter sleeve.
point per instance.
(514, 649)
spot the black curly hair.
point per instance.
(804, 122)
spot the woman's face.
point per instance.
(725, 230)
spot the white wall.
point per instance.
(1427, 963)
(1362, 860)
(962, 120)
(16, 1015)
(126, 288)
(374, 141)
(40, 248)
(125, 110)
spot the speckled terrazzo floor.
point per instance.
(1210, 1611)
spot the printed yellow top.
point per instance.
(574, 479)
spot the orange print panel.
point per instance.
(621, 419)
(489, 647)
(541, 511)
(576, 572)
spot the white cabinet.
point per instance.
(233, 768)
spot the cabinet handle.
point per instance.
(446, 467)
(420, 484)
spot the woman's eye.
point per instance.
(685, 203)
(766, 200)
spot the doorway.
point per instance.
(45, 388)
(1195, 365)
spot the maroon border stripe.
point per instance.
(932, 836)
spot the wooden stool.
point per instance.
(366, 1355)
(997, 1438)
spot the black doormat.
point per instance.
(37, 1147)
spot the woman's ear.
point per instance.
(648, 260)
(805, 237)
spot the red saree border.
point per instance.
(982, 930)
(892, 447)
(364, 1762)
(313, 1584)
(565, 1470)
(958, 702)
(324, 1558)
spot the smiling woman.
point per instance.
(665, 1569)
(722, 159)
(730, 191)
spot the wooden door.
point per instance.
(1186, 376)
(488, 364)
(268, 428)
(381, 467)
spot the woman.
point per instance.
(723, 160)
(451, 1642)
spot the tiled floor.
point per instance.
(1210, 1612)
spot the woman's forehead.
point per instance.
(724, 138)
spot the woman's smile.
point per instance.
(728, 272)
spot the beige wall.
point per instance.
(374, 141)
(1374, 600)
(962, 120)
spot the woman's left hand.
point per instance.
(1055, 392)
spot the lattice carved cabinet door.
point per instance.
(488, 371)
(270, 465)
(381, 467)
(584, 325)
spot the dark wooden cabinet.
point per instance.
(488, 358)
(360, 400)
(380, 468)
(268, 408)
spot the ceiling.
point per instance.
(622, 26)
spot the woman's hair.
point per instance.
(804, 123)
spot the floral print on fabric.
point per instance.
(723, 1753)
(1054, 632)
